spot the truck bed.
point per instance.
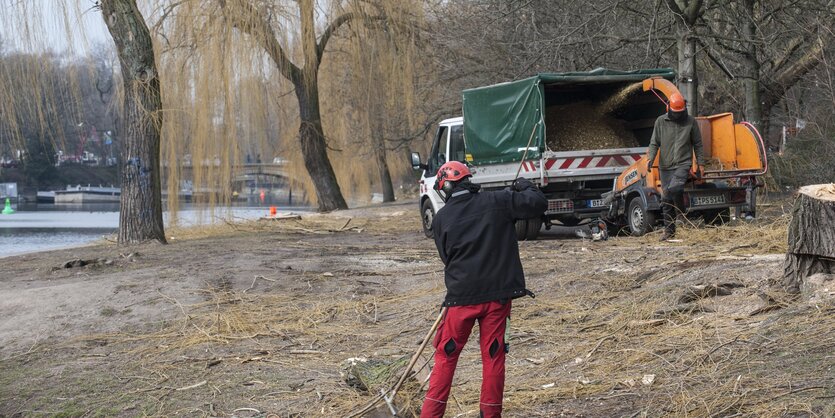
(568, 166)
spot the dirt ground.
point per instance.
(256, 319)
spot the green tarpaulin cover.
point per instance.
(500, 119)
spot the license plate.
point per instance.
(709, 200)
(596, 203)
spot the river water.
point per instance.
(44, 227)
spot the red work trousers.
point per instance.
(453, 332)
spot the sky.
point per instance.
(61, 26)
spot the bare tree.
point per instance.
(772, 45)
(248, 18)
(140, 217)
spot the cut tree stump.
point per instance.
(811, 236)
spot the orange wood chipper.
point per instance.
(735, 159)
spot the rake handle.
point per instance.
(412, 362)
(417, 354)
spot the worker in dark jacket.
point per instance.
(476, 239)
(676, 135)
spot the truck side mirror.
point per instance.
(416, 164)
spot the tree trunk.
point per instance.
(379, 145)
(811, 236)
(140, 215)
(378, 141)
(686, 14)
(753, 104)
(688, 82)
(314, 148)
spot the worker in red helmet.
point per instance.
(675, 138)
(476, 240)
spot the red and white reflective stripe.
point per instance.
(528, 166)
(592, 162)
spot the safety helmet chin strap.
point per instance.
(466, 187)
(445, 191)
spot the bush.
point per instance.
(805, 161)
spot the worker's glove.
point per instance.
(649, 166)
(698, 173)
(521, 184)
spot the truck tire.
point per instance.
(534, 225)
(521, 229)
(641, 220)
(427, 213)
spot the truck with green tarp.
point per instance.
(573, 134)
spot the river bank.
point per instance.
(42, 227)
(255, 318)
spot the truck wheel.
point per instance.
(717, 217)
(640, 219)
(534, 225)
(521, 229)
(427, 214)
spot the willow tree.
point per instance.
(254, 20)
(381, 92)
(375, 117)
(140, 216)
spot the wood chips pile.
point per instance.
(583, 126)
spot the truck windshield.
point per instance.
(456, 144)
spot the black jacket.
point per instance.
(476, 240)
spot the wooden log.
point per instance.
(811, 236)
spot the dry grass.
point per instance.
(698, 363)
(299, 336)
(762, 237)
(604, 319)
(592, 340)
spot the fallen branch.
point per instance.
(255, 279)
(248, 410)
(599, 343)
(196, 385)
(176, 302)
(791, 392)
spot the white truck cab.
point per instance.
(448, 145)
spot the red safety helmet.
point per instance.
(449, 174)
(677, 103)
